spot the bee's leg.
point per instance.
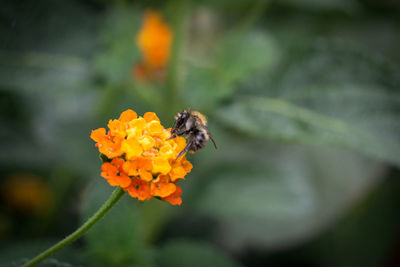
(178, 134)
(177, 128)
(173, 128)
(187, 148)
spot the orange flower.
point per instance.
(174, 198)
(139, 189)
(114, 174)
(154, 41)
(162, 187)
(141, 159)
(26, 193)
(109, 146)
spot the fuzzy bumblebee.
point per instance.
(192, 125)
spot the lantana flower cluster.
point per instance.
(140, 158)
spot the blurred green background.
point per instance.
(302, 98)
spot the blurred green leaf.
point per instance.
(48, 69)
(280, 120)
(324, 66)
(328, 62)
(237, 58)
(240, 55)
(182, 253)
(282, 196)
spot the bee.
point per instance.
(193, 125)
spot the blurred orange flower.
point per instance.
(26, 193)
(154, 41)
(141, 159)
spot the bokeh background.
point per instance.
(302, 98)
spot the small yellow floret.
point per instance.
(155, 128)
(136, 128)
(147, 142)
(161, 165)
(132, 148)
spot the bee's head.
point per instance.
(180, 120)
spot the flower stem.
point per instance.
(113, 199)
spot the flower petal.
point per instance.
(174, 198)
(162, 188)
(145, 175)
(139, 189)
(147, 142)
(161, 165)
(131, 147)
(128, 115)
(177, 173)
(150, 116)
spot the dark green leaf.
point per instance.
(280, 120)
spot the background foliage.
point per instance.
(302, 99)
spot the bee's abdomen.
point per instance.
(200, 139)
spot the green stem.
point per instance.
(115, 196)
